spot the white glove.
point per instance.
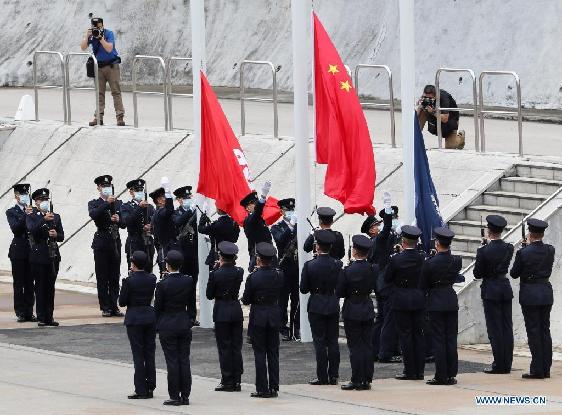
(294, 219)
(165, 183)
(387, 202)
(265, 189)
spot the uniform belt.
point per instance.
(360, 296)
(498, 277)
(406, 284)
(266, 301)
(533, 280)
(226, 297)
(442, 284)
(321, 292)
(175, 310)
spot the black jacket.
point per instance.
(533, 264)
(99, 211)
(223, 229)
(137, 291)
(338, 247)
(224, 287)
(135, 218)
(187, 242)
(356, 283)
(38, 229)
(256, 229)
(171, 302)
(320, 278)
(262, 291)
(438, 276)
(283, 235)
(19, 248)
(404, 272)
(380, 252)
(163, 227)
(492, 264)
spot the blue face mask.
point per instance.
(288, 214)
(44, 205)
(106, 191)
(187, 203)
(24, 199)
(138, 196)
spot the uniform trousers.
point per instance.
(107, 267)
(500, 332)
(24, 287)
(444, 325)
(176, 345)
(265, 342)
(290, 291)
(142, 339)
(385, 338)
(409, 324)
(359, 336)
(537, 324)
(45, 277)
(325, 334)
(229, 344)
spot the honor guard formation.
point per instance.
(398, 304)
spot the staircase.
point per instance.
(513, 196)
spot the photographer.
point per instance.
(454, 138)
(103, 45)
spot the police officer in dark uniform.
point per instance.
(24, 287)
(326, 220)
(105, 211)
(262, 291)
(45, 230)
(404, 272)
(438, 276)
(224, 287)
(320, 278)
(222, 229)
(173, 324)
(533, 264)
(137, 291)
(255, 228)
(492, 264)
(185, 221)
(284, 233)
(137, 215)
(163, 226)
(356, 283)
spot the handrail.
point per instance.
(164, 92)
(517, 112)
(37, 87)
(96, 87)
(474, 108)
(169, 87)
(390, 104)
(243, 97)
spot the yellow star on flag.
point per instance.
(333, 69)
(345, 85)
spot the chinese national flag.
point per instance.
(224, 172)
(342, 136)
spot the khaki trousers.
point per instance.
(452, 141)
(111, 74)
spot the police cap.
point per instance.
(265, 250)
(104, 180)
(444, 235)
(137, 184)
(174, 258)
(361, 242)
(411, 232)
(183, 192)
(536, 225)
(369, 222)
(250, 198)
(324, 237)
(287, 204)
(227, 248)
(21, 188)
(42, 194)
(496, 223)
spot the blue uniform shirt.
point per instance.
(102, 55)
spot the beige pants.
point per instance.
(112, 75)
(453, 140)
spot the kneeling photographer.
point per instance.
(102, 41)
(454, 138)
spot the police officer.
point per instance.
(255, 228)
(105, 211)
(356, 283)
(137, 291)
(163, 226)
(224, 287)
(137, 215)
(320, 278)
(284, 233)
(533, 264)
(24, 287)
(185, 221)
(438, 276)
(404, 272)
(492, 264)
(222, 229)
(173, 324)
(326, 220)
(262, 291)
(45, 230)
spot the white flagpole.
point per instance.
(197, 8)
(301, 11)
(407, 86)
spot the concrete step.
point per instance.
(465, 243)
(511, 215)
(529, 185)
(540, 171)
(513, 199)
(467, 257)
(470, 227)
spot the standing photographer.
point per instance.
(454, 138)
(103, 46)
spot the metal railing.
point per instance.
(244, 98)
(164, 93)
(517, 112)
(169, 87)
(37, 87)
(96, 87)
(474, 108)
(390, 104)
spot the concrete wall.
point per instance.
(484, 34)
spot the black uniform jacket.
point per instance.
(188, 243)
(19, 248)
(256, 229)
(163, 226)
(492, 264)
(171, 301)
(137, 291)
(262, 291)
(135, 218)
(356, 283)
(404, 271)
(438, 276)
(223, 229)
(338, 247)
(224, 287)
(99, 211)
(38, 229)
(320, 278)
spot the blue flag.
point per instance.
(428, 216)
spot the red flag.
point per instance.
(224, 173)
(342, 136)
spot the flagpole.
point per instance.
(407, 86)
(197, 8)
(313, 89)
(301, 12)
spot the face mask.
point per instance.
(24, 199)
(138, 196)
(187, 203)
(106, 191)
(395, 224)
(44, 205)
(288, 214)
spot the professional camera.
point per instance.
(97, 32)
(427, 102)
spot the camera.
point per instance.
(97, 32)
(427, 102)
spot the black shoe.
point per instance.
(273, 393)
(393, 359)
(21, 319)
(52, 323)
(41, 323)
(31, 318)
(546, 375)
(195, 323)
(419, 377)
(403, 376)
(334, 381)
(172, 402)
(137, 396)
(318, 382)
(184, 401)
(351, 386)
(430, 359)
(365, 386)
(106, 313)
(224, 388)
(237, 387)
(493, 371)
(150, 394)
(260, 395)
(117, 313)
(286, 338)
(531, 376)
(435, 381)
(451, 381)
